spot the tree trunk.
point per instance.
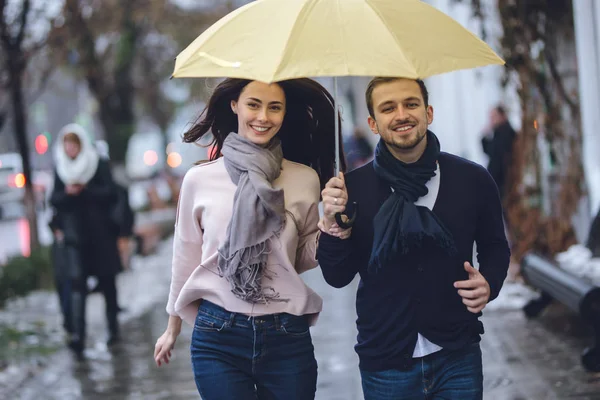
(16, 91)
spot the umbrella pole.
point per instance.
(337, 126)
(344, 224)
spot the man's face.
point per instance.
(401, 118)
(496, 119)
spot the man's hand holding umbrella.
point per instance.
(335, 198)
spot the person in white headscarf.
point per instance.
(83, 197)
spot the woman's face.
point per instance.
(260, 110)
(72, 149)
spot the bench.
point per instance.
(578, 294)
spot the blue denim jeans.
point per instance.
(446, 374)
(236, 357)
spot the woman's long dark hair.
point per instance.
(307, 132)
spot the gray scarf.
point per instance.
(258, 215)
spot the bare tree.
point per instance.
(532, 31)
(17, 50)
(125, 51)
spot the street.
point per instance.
(523, 359)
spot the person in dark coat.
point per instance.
(497, 144)
(83, 197)
(421, 210)
(358, 150)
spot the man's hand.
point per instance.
(475, 291)
(335, 198)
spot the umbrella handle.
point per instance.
(350, 222)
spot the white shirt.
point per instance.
(425, 347)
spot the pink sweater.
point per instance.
(204, 211)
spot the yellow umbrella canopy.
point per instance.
(274, 40)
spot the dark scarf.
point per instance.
(400, 226)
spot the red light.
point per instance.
(24, 237)
(41, 144)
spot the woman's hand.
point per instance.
(74, 189)
(164, 346)
(338, 232)
(59, 235)
(165, 343)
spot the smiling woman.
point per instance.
(299, 111)
(260, 110)
(246, 229)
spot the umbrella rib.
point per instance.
(338, 7)
(390, 30)
(309, 3)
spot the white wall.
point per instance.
(587, 34)
(462, 99)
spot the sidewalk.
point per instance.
(142, 287)
(523, 359)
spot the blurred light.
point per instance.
(170, 148)
(150, 157)
(19, 180)
(0, 163)
(535, 124)
(174, 160)
(41, 144)
(24, 236)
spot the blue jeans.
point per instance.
(236, 357)
(447, 374)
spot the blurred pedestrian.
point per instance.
(85, 235)
(124, 217)
(497, 143)
(358, 150)
(421, 210)
(122, 214)
(246, 228)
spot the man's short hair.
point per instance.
(500, 110)
(381, 80)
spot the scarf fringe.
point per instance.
(244, 270)
(409, 243)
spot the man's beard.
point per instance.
(407, 146)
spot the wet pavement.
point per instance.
(128, 371)
(523, 359)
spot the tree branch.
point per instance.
(87, 50)
(23, 18)
(4, 36)
(574, 106)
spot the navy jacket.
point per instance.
(417, 294)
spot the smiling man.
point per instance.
(421, 210)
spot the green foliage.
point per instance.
(16, 344)
(21, 275)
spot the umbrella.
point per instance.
(275, 40)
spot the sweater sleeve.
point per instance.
(187, 241)
(493, 252)
(306, 257)
(59, 198)
(338, 260)
(102, 188)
